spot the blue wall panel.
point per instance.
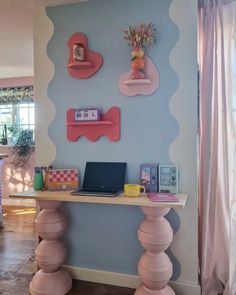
(100, 236)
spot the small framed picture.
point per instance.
(168, 179)
(92, 114)
(148, 177)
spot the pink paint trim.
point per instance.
(92, 63)
(16, 82)
(143, 86)
(109, 125)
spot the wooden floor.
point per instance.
(86, 288)
(16, 248)
(17, 245)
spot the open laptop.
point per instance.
(103, 179)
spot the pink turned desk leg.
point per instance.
(154, 267)
(50, 254)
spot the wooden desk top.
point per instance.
(65, 196)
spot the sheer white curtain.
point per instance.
(217, 145)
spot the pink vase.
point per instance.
(138, 64)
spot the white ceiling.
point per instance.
(16, 36)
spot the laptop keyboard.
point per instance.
(94, 193)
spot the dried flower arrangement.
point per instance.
(140, 37)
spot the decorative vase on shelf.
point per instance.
(138, 64)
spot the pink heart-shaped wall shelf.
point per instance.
(147, 86)
(92, 62)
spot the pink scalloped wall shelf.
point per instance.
(132, 87)
(109, 125)
(92, 63)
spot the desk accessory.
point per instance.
(87, 114)
(108, 125)
(38, 178)
(149, 177)
(83, 62)
(62, 179)
(45, 176)
(143, 78)
(162, 197)
(103, 179)
(78, 52)
(134, 190)
(38, 181)
(168, 179)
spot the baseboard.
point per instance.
(183, 288)
(124, 280)
(103, 277)
(18, 202)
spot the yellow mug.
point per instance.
(133, 190)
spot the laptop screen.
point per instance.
(104, 176)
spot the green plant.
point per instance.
(22, 147)
(4, 135)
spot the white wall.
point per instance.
(184, 149)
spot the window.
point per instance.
(20, 115)
(16, 108)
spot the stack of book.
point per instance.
(162, 197)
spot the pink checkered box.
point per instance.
(63, 179)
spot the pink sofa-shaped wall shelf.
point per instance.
(89, 65)
(109, 125)
(147, 86)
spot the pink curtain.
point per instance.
(216, 39)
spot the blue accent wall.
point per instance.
(104, 236)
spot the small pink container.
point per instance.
(50, 224)
(56, 283)
(50, 255)
(155, 270)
